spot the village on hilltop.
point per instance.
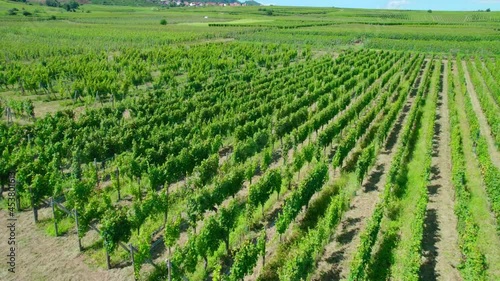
(200, 4)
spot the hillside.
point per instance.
(248, 143)
(171, 3)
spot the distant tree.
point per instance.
(163, 22)
(52, 3)
(269, 12)
(71, 6)
(12, 12)
(429, 11)
(488, 10)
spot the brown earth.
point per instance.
(41, 257)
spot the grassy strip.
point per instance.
(491, 174)
(305, 252)
(490, 82)
(488, 105)
(367, 158)
(423, 157)
(473, 263)
(369, 236)
(479, 205)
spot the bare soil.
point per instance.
(41, 257)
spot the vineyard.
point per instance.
(241, 144)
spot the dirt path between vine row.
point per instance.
(41, 257)
(440, 241)
(489, 242)
(334, 264)
(483, 123)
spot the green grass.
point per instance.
(64, 226)
(415, 181)
(489, 241)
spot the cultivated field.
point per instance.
(250, 143)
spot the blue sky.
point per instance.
(460, 5)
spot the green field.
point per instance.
(253, 143)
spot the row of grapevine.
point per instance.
(473, 261)
(334, 128)
(321, 241)
(489, 79)
(307, 150)
(491, 173)
(251, 189)
(369, 236)
(367, 158)
(492, 76)
(490, 109)
(413, 246)
(300, 197)
(302, 259)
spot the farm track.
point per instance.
(489, 243)
(334, 263)
(483, 122)
(440, 241)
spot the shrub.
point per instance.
(26, 13)
(52, 3)
(163, 22)
(71, 6)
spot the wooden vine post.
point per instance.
(54, 215)
(96, 171)
(18, 199)
(108, 258)
(169, 268)
(131, 249)
(78, 231)
(35, 210)
(139, 187)
(117, 174)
